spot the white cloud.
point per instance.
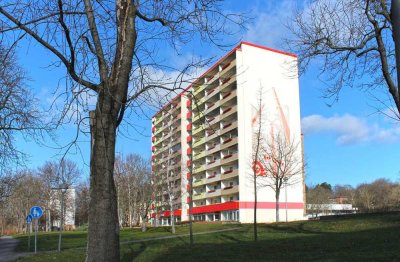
(269, 27)
(349, 129)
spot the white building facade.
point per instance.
(69, 208)
(207, 134)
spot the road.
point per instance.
(7, 249)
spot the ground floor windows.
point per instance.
(231, 215)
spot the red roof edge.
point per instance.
(269, 49)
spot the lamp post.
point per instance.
(63, 189)
(285, 179)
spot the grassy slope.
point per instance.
(359, 238)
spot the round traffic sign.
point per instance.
(36, 211)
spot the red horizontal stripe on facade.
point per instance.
(271, 205)
(177, 213)
(216, 207)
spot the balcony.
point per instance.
(199, 182)
(227, 68)
(199, 169)
(214, 193)
(232, 158)
(214, 164)
(229, 174)
(199, 156)
(223, 146)
(199, 196)
(213, 178)
(229, 190)
(221, 102)
(198, 130)
(200, 142)
(199, 89)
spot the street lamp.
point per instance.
(285, 179)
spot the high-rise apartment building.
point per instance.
(206, 133)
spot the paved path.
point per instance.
(7, 249)
(176, 236)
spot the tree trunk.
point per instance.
(395, 16)
(144, 220)
(172, 216)
(255, 206)
(277, 205)
(103, 230)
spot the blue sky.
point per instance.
(345, 143)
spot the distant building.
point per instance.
(316, 210)
(206, 133)
(69, 209)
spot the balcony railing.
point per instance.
(200, 142)
(199, 182)
(199, 196)
(214, 193)
(229, 190)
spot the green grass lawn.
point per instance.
(374, 237)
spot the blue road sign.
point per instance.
(28, 219)
(36, 212)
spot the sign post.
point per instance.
(36, 213)
(28, 227)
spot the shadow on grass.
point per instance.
(132, 254)
(369, 245)
(292, 228)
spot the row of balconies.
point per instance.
(222, 71)
(175, 125)
(165, 157)
(217, 120)
(229, 190)
(169, 110)
(168, 142)
(221, 92)
(230, 103)
(169, 129)
(200, 110)
(165, 146)
(215, 163)
(215, 178)
(213, 149)
(216, 139)
(216, 200)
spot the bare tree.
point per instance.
(25, 193)
(365, 197)
(282, 165)
(132, 179)
(355, 41)
(19, 111)
(257, 154)
(105, 47)
(345, 192)
(318, 198)
(60, 176)
(82, 203)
